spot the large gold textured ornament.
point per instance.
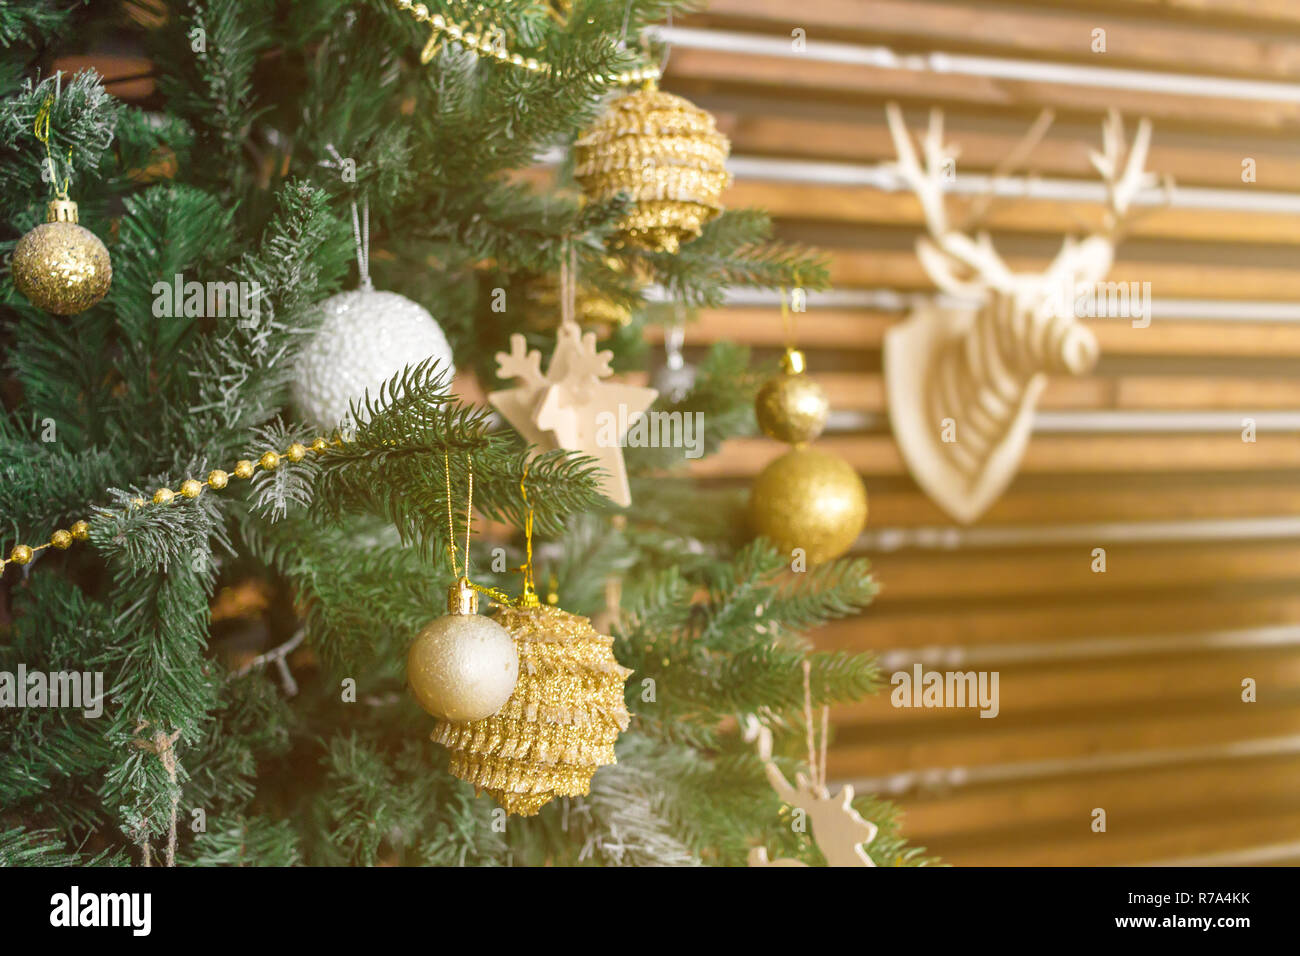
(59, 266)
(667, 154)
(809, 499)
(462, 666)
(560, 724)
(791, 407)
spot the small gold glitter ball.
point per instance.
(560, 724)
(319, 445)
(59, 266)
(218, 479)
(61, 540)
(270, 461)
(667, 154)
(80, 530)
(244, 469)
(297, 452)
(791, 407)
(191, 488)
(809, 499)
(20, 554)
(163, 496)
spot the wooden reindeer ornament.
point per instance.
(962, 384)
(570, 406)
(839, 831)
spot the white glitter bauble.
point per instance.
(365, 338)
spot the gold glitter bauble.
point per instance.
(667, 154)
(462, 666)
(558, 726)
(809, 499)
(59, 266)
(791, 407)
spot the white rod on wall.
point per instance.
(723, 41)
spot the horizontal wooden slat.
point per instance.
(695, 70)
(1265, 12)
(865, 392)
(984, 624)
(1095, 502)
(953, 575)
(843, 329)
(1041, 31)
(1068, 800)
(1001, 741)
(865, 205)
(873, 454)
(900, 269)
(1152, 839)
(1091, 687)
(862, 137)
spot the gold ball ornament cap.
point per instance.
(461, 666)
(60, 266)
(791, 407)
(809, 499)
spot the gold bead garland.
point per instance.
(189, 489)
(486, 40)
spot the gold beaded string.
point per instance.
(486, 40)
(190, 488)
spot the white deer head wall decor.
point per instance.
(962, 383)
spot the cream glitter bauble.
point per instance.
(811, 500)
(59, 266)
(365, 338)
(462, 666)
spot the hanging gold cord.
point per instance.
(793, 360)
(451, 526)
(42, 130)
(457, 570)
(529, 597)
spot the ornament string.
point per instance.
(41, 128)
(529, 596)
(361, 236)
(459, 569)
(451, 525)
(569, 288)
(816, 756)
(787, 319)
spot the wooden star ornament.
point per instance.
(570, 407)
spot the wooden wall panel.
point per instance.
(1120, 689)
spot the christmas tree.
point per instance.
(183, 516)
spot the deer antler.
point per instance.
(944, 245)
(521, 363)
(1123, 186)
